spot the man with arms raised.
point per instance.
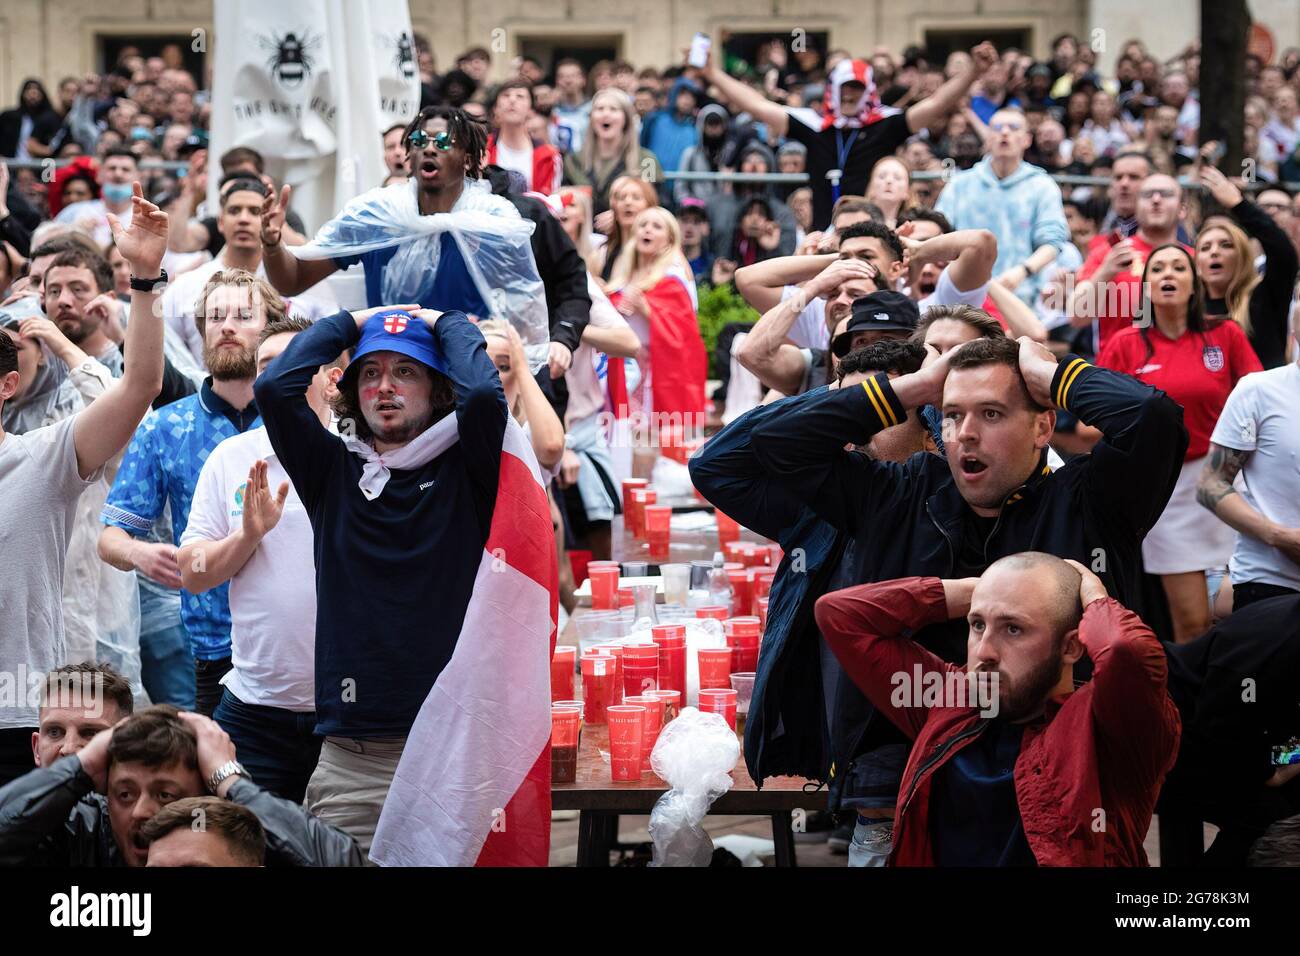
(44, 472)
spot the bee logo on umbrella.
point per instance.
(290, 61)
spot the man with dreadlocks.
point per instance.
(440, 239)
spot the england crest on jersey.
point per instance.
(1212, 355)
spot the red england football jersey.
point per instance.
(1117, 301)
(1197, 370)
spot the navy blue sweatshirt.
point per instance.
(393, 575)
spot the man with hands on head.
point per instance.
(400, 513)
(89, 809)
(994, 495)
(1020, 778)
(45, 471)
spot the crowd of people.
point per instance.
(1041, 433)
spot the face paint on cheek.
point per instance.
(368, 392)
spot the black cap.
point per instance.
(878, 312)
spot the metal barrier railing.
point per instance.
(1065, 179)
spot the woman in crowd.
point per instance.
(587, 471)
(1233, 287)
(652, 295)
(890, 188)
(611, 150)
(1104, 127)
(1078, 107)
(1196, 361)
(629, 196)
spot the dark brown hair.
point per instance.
(347, 404)
(115, 687)
(237, 825)
(80, 258)
(998, 351)
(155, 737)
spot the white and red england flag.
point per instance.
(473, 787)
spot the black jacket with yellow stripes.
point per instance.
(907, 519)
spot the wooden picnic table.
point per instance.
(600, 800)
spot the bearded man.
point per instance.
(165, 457)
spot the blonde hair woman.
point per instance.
(610, 149)
(890, 188)
(1260, 305)
(652, 295)
(629, 196)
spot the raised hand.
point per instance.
(215, 748)
(273, 212)
(144, 243)
(1090, 586)
(1221, 188)
(262, 511)
(361, 318)
(983, 58)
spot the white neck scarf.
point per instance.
(419, 451)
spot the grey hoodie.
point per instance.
(696, 158)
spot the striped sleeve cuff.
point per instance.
(1066, 375)
(884, 403)
(118, 518)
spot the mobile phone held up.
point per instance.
(699, 55)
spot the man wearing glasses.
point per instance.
(1109, 285)
(444, 149)
(1277, 203)
(1014, 200)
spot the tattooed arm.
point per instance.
(1214, 491)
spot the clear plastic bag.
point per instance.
(495, 241)
(695, 754)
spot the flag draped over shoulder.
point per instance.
(473, 787)
(678, 362)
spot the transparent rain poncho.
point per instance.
(494, 240)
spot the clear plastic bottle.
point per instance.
(720, 593)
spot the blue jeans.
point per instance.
(276, 746)
(166, 661)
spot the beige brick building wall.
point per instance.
(52, 38)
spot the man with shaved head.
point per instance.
(1011, 764)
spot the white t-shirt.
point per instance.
(39, 490)
(809, 330)
(273, 596)
(1262, 416)
(520, 160)
(946, 293)
(181, 298)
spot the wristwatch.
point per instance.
(230, 768)
(149, 285)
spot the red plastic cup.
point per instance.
(728, 530)
(743, 634)
(762, 613)
(563, 663)
(653, 721)
(715, 611)
(604, 587)
(640, 669)
(629, 506)
(642, 499)
(626, 598)
(625, 729)
(672, 703)
(719, 700)
(755, 556)
(599, 673)
(615, 651)
(566, 721)
(763, 578)
(658, 530)
(715, 667)
(671, 639)
(741, 603)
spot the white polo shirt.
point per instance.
(273, 596)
